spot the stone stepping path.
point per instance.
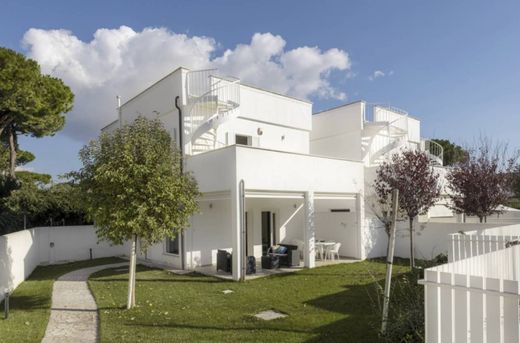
(74, 315)
(270, 315)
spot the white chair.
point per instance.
(334, 251)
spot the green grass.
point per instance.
(328, 304)
(31, 301)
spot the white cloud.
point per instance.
(379, 73)
(123, 62)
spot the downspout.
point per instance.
(181, 150)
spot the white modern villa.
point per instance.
(270, 171)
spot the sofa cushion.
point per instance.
(280, 250)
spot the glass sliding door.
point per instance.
(266, 231)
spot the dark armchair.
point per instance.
(224, 259)
(283, 255)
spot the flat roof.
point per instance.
(276, 93)
(339, 106)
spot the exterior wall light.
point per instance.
(210, 205)
(259, 131)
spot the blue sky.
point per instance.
(453, 64)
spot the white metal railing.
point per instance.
(434, 150)
(212, 98)
(395, 118)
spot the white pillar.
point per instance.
(235, 232)
(360, 211)
(309, 254)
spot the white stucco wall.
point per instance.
(414, 130)
(213, 170)
(265, 106)
(158, 101)
(277, 171)
(431, 239)
(337, 132)
(341, 227)
(210, 231)
(21, 252)
(273, 137)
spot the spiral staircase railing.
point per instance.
(212, 99)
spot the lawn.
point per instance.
(31, 301)
(328, 304)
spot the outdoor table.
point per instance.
(322, 247)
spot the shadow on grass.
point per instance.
(54, 271)
(156, 280)
(359, 315)
(112, 273)
(218, 328)
(23, 302)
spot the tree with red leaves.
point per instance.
(410, 172)
(483, 180)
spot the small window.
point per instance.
(172, 245)
(242, 140)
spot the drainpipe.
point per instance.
(181, 149)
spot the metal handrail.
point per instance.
(211, 99)
(434, 149)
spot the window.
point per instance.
(172, 245)
(242, 140)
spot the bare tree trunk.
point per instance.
(12, 152)
(412, 258)
(131, 275)
(389, 236)
(390, 259)
(481, 219)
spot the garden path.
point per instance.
(74, 313)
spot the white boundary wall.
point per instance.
(21, 252)
(431, 239)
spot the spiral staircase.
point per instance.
(212, 99)
(387, 133)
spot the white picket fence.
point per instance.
(476, 297)
(469, 244)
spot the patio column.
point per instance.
(235, 232)
(360, 218)
(309, 253)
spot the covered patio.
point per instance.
(321, 229)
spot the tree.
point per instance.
(413, 175)
(31, 103)
(452, 153)
(380, 204)
(134, 188)
(39, 202)
(483, 181)
(515, 186)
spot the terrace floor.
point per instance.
(211, 270)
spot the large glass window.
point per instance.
(172, 245)
(243, 140)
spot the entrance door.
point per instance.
(268, 235)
